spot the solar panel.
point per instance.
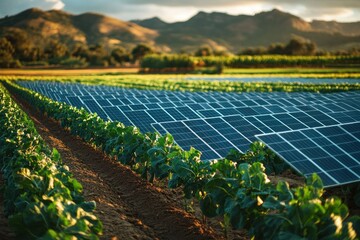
(115, 114)
(212, 137)
(141, 119)
(75, 101)
(186, 138)
(312, 132)
(93, 106)
(332, 151)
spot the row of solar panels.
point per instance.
(216, 122)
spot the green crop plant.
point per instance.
(42, 199)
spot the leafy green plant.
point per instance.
(42, 199)
(302, 214)
(258, 152)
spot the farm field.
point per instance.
(240, 72)
(221, 118)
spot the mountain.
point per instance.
(153, 23)
(223, 31)
(218, 30)
(88, 28)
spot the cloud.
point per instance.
(58, 4)
(10, 7)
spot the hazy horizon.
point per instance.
(173, 11)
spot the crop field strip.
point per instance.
(215, 122)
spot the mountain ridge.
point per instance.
(220, 31)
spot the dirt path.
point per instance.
(129, 207)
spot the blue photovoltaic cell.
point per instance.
(226, 105)
(75, 101)
(137, 107)
(321, 117)
(116, 115)
(152, 106)
(341, 118)
(215, 105)
(125, 101)
(271, 122)
(249, 103)
(306, 119)
(160, 115)
(166, 105)
(228, 111)
(115, 102)
(210, 136)
(261, 126)
(175, 114)
(354, 115)
(229, 133)
(93, 106)
(243, 126)
(289, 121)
(354, 129)
(187, 112)
(246, 111)
(209, 113)
(260, 110)
(187, 138)
(103, 102)
(141, 119)
(159, 128)
(275, 109)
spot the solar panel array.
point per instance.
(297, 126)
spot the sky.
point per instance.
(181, 10)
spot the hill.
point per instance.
(220, 31)
(88, 28)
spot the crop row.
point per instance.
(42, 199)
(178, 84)
(236, 188)
(188, 62)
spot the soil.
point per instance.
(128, 206)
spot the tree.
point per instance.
(6, 54)
(277, 49)
(120, 55)
(204, 51)
(20, 42)
(254, 51)
(98, 56)
(140, 51)
(56, 50)
(298, 46)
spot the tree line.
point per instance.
(16, 51)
